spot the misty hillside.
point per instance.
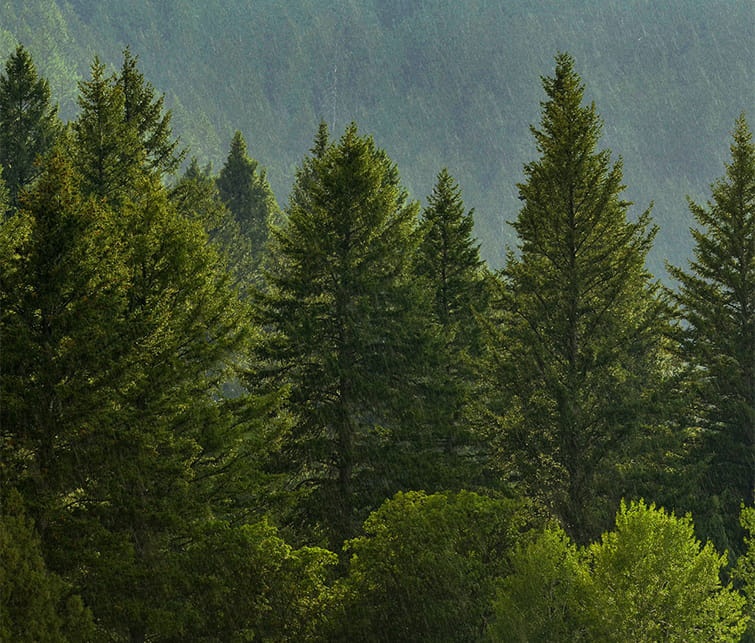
(439, 83)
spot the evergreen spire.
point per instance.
(580, 323)
(717, 300)
(29, 123)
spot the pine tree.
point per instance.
(717, 340)
(346, 333)
(108, 152)
(247, 194)
(123, 326)
(122, 134)
(449, 258)
(29, 123)
(578, 337)
(448, 262)
(147, 115)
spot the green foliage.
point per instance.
(247, 584)
(542, 598)
(29, 123)
(578, 331)
(197, 197)
(425, 569)
(346, 332)
(448, 263)
(717, 340)
(652, 580)
(35, 604)
(146, 114)
(248, 196)
(123, 324)
(648, 580)
(744, 572)
(449, 259)
(108, 152)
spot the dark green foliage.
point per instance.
(124, 325)
(29, 122)
(578, 336)
(108, 153)
(246, 192)
(197, 197)
(347, 333)
(147, 116)
(449, 265)
(717, 300)
(36, 606)
(122, 134)
(450, 260)
(426, 568)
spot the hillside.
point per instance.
(439, 83)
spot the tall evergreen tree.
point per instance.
(575, 350)
(108, 153)
(449, 258)
(346, 333)
(448, 262)
(146, 113)
(29, 122)
(122, 132)
(717, 300)
(246, 192)
(123, 324)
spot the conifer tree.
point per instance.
(108, 153)
(578, 337)
(246, 192)
(147, 115)
(346, 333)
(449, 259)
(29, 123)
(124, 324)
(717, 340)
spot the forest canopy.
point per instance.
(223, 419)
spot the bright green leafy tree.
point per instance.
(542, 598)
(652, 580)
(29, 122)
(648, 580)
(717, 300)
(744, 573)
(578, 336)
(426, 568)
(248, 584)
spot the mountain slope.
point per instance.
(438, 82)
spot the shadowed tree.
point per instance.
(347, 333)
(575, 348)
(717, 341)
(29, 123)
(246, 192)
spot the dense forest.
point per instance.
(436, 82)
(226, 420)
